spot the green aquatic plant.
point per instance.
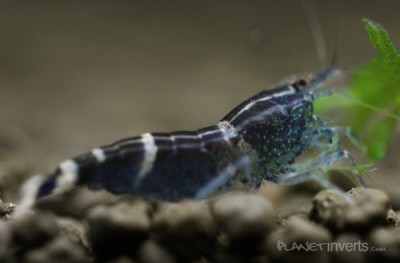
(373, 95)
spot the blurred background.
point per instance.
(78, 74)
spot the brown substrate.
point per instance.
(235, 227)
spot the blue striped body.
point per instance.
(184, 162)
(256, 141)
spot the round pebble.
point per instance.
(298, 240)
(243, 220)
(187, 229)
(74, 231)
(328, 209)
(370, 208)
(243, 216)
(384, 244)
(349, 248)
(118, 229)
(34, 230)
(151, 252)
(59, 250)
(76, 203)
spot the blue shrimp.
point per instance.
(258, 140)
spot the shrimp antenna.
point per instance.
(317, 32)
(337, 35)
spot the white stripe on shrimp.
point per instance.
(68, 177)
(150, 154)
(99, 155)
(251, 104)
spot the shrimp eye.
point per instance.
(299, 84)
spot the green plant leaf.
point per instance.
(376, 85)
